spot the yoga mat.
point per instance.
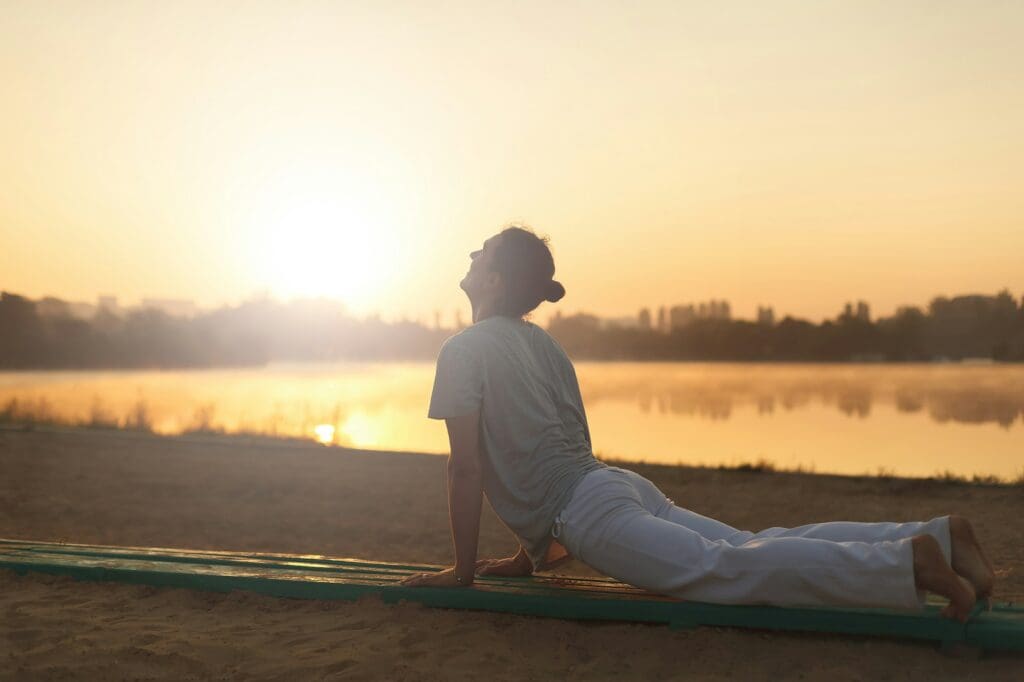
(320, 577)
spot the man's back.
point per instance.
(534, 436)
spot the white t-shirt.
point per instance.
(535, 442)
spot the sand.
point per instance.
(238, 493)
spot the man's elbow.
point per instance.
(463, 467)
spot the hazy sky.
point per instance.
(797, 154)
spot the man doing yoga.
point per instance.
(518, 432)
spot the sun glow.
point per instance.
(360, 430)
(319, 237)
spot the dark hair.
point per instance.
(526, 267)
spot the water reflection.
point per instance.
(973, 395)
(912, 420)
(351, 404)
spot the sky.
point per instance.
(793, 154)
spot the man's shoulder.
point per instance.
(472, 339)
(552, 344)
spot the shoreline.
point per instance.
(270, 441)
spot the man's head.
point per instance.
(512, 273)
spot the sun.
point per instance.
(322, 241)
(322, 250)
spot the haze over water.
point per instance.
(908, 420)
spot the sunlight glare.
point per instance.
(318, 241)
(360, 430)
(324, 433)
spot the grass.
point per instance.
(948, 476)
(767, 466)
(885, 473)
(30, 414)
(139, 418)
(202, 422)
(100, 417)
(762, 465)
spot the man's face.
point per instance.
(481, 278)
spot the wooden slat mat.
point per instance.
(321, 577)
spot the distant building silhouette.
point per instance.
(170, 306)
(681, 315)
(107, 304)
(719, 310)
(53, 307)
(662, 320)
(862, 313)
(765, 316)
(625, 322)
(644, 318)
(714, 310)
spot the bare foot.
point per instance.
(968, 559)
(932, 573)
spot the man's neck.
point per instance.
(482, 311)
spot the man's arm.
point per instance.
(465, 497)
(465, 493)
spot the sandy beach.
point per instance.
(243, 493)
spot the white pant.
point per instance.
(620, 524)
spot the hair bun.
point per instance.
(555, 291)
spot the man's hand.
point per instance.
(445, 578)
(512, 566)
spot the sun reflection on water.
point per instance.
(324, 433)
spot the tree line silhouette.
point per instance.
(250, 334)
(260, 331)
(972, 326)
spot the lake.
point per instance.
(910, 420)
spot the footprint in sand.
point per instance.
(299, 642)
(340, 666)
(144, 640)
